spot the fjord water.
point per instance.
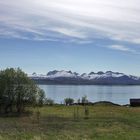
(115, 94)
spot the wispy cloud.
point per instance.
(73, 20)
(122, 48)
(119, 47)
(70, 32)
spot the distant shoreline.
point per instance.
(89, 84)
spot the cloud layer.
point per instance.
(80, 20)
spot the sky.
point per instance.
(78, 35)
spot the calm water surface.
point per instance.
(116, 94)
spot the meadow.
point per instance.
(59, 122)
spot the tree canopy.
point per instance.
(18, 91)
(68, 101)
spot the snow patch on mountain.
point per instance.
(101, 74)
(62, 73)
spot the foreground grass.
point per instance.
(105, 122)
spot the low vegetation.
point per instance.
(58, 122)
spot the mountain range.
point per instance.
(93, 78)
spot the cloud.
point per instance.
(70, 33)
(79, 20)
(122, 48)
(119, 47)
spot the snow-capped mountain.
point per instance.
(69, 77)
(107, 74)
(57, 74)
(37, 76)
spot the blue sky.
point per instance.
(81, 35)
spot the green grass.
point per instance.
(105, 122)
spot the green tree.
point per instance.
(49, 101)
(17, 90)
(84, 100)
(68, 101)
(41, 97)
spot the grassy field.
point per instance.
(105, 122)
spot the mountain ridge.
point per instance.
(92, 78)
